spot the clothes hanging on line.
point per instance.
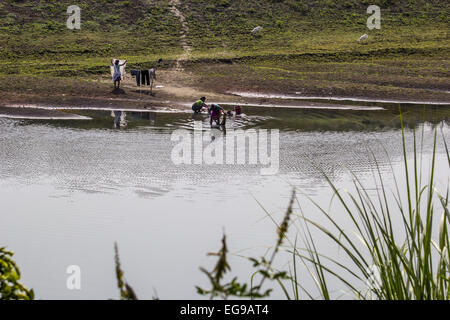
(137, 74)
(145, 77)
(152, 73)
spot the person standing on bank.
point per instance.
(117, 75)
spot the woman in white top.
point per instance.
(117, 75)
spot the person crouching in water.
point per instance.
(215, 111)
(117, 74)
(198, 106)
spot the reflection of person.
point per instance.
(198, 106)
(117, 116)
(117, 75)
(120, 119)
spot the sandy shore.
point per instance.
(175, 92)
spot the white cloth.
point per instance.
(122, 68)
(257, 29)
(152, 73)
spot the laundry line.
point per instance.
(144, 77)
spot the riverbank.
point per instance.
(303, 51)
(414, 79)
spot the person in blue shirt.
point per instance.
(215, 111)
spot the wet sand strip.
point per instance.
(306, 105)
(33, 109)
(331, 98)
(35, 113)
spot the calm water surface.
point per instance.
(69, 189)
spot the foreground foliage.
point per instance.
(10, 287)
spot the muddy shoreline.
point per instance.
(177, 89)
(29, 107)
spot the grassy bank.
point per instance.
(144, 27)
(304, 46)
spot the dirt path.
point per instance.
(174, 4)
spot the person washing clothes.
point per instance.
(198, 106)
(215, 111)
(117, 76)
(237, 111)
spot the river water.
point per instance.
(70, 189)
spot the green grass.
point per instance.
(385, 73)
(217, 29)
(314, 24)
(108, 27)
(34, 41)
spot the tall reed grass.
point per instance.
(402, 248)
(397, 249)
(398, 245)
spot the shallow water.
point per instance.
(69, 189)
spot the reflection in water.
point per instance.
(120, 119)
(70, 189)
(151, 116)
(286, 119)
